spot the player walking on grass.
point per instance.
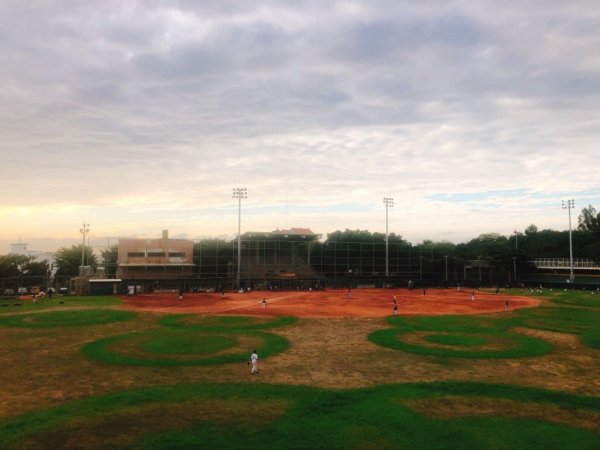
(254, 362)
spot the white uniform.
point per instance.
(254, 361)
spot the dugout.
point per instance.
(105, 286)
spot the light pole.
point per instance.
(446, 258)
(570, 204)
(389, 203)
(516, 239)
(239, 193)
(515, 267)
(85, 228)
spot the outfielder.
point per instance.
(254, 362)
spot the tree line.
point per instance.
(524, 246)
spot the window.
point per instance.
(136, 254)
(176, 254)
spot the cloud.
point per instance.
(138, 115)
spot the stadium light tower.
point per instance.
(239, 193)
(389, 203)
(85, 228)
(570, 204)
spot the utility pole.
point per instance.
(239, 193)
(85, 228)
(570, 204)
(446, 258)
(389, 203)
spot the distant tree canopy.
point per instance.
(218, 256)
(589, 220)
(68, 260)
(34, 268)
(11, 265)
(110, 257)
(362, 236)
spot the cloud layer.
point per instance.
(138, 116)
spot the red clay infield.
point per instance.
(332, 303)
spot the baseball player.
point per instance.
(254, 362)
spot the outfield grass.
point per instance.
(571, 316)
(224, 323)
(458, 336)
(68, 318)
(169, 348)
(577, 298)
(522, 379)
(57, 301)
(301, 418)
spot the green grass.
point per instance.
(591, 338)
(572, 319)
(165, 348)
(561, 320)
(201, 339)
(460, 336)
(577, 298)
(67, 318)
(376, 418)
(55, 302)
(268, 416)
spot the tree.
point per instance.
(33, 268)
(531, 229)
(110, 257)
(68, 260)
(363, 236)
(589, 220)
(11, 265)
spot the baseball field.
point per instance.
(337, 370)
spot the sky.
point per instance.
(139, 116)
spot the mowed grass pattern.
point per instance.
(458, 336)
(275, 417)
(202, 340)
(254, 412)
(162, 347)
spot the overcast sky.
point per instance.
(136, 116)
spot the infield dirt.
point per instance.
(332, 303)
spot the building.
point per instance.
(162, 261)
(20, 248)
